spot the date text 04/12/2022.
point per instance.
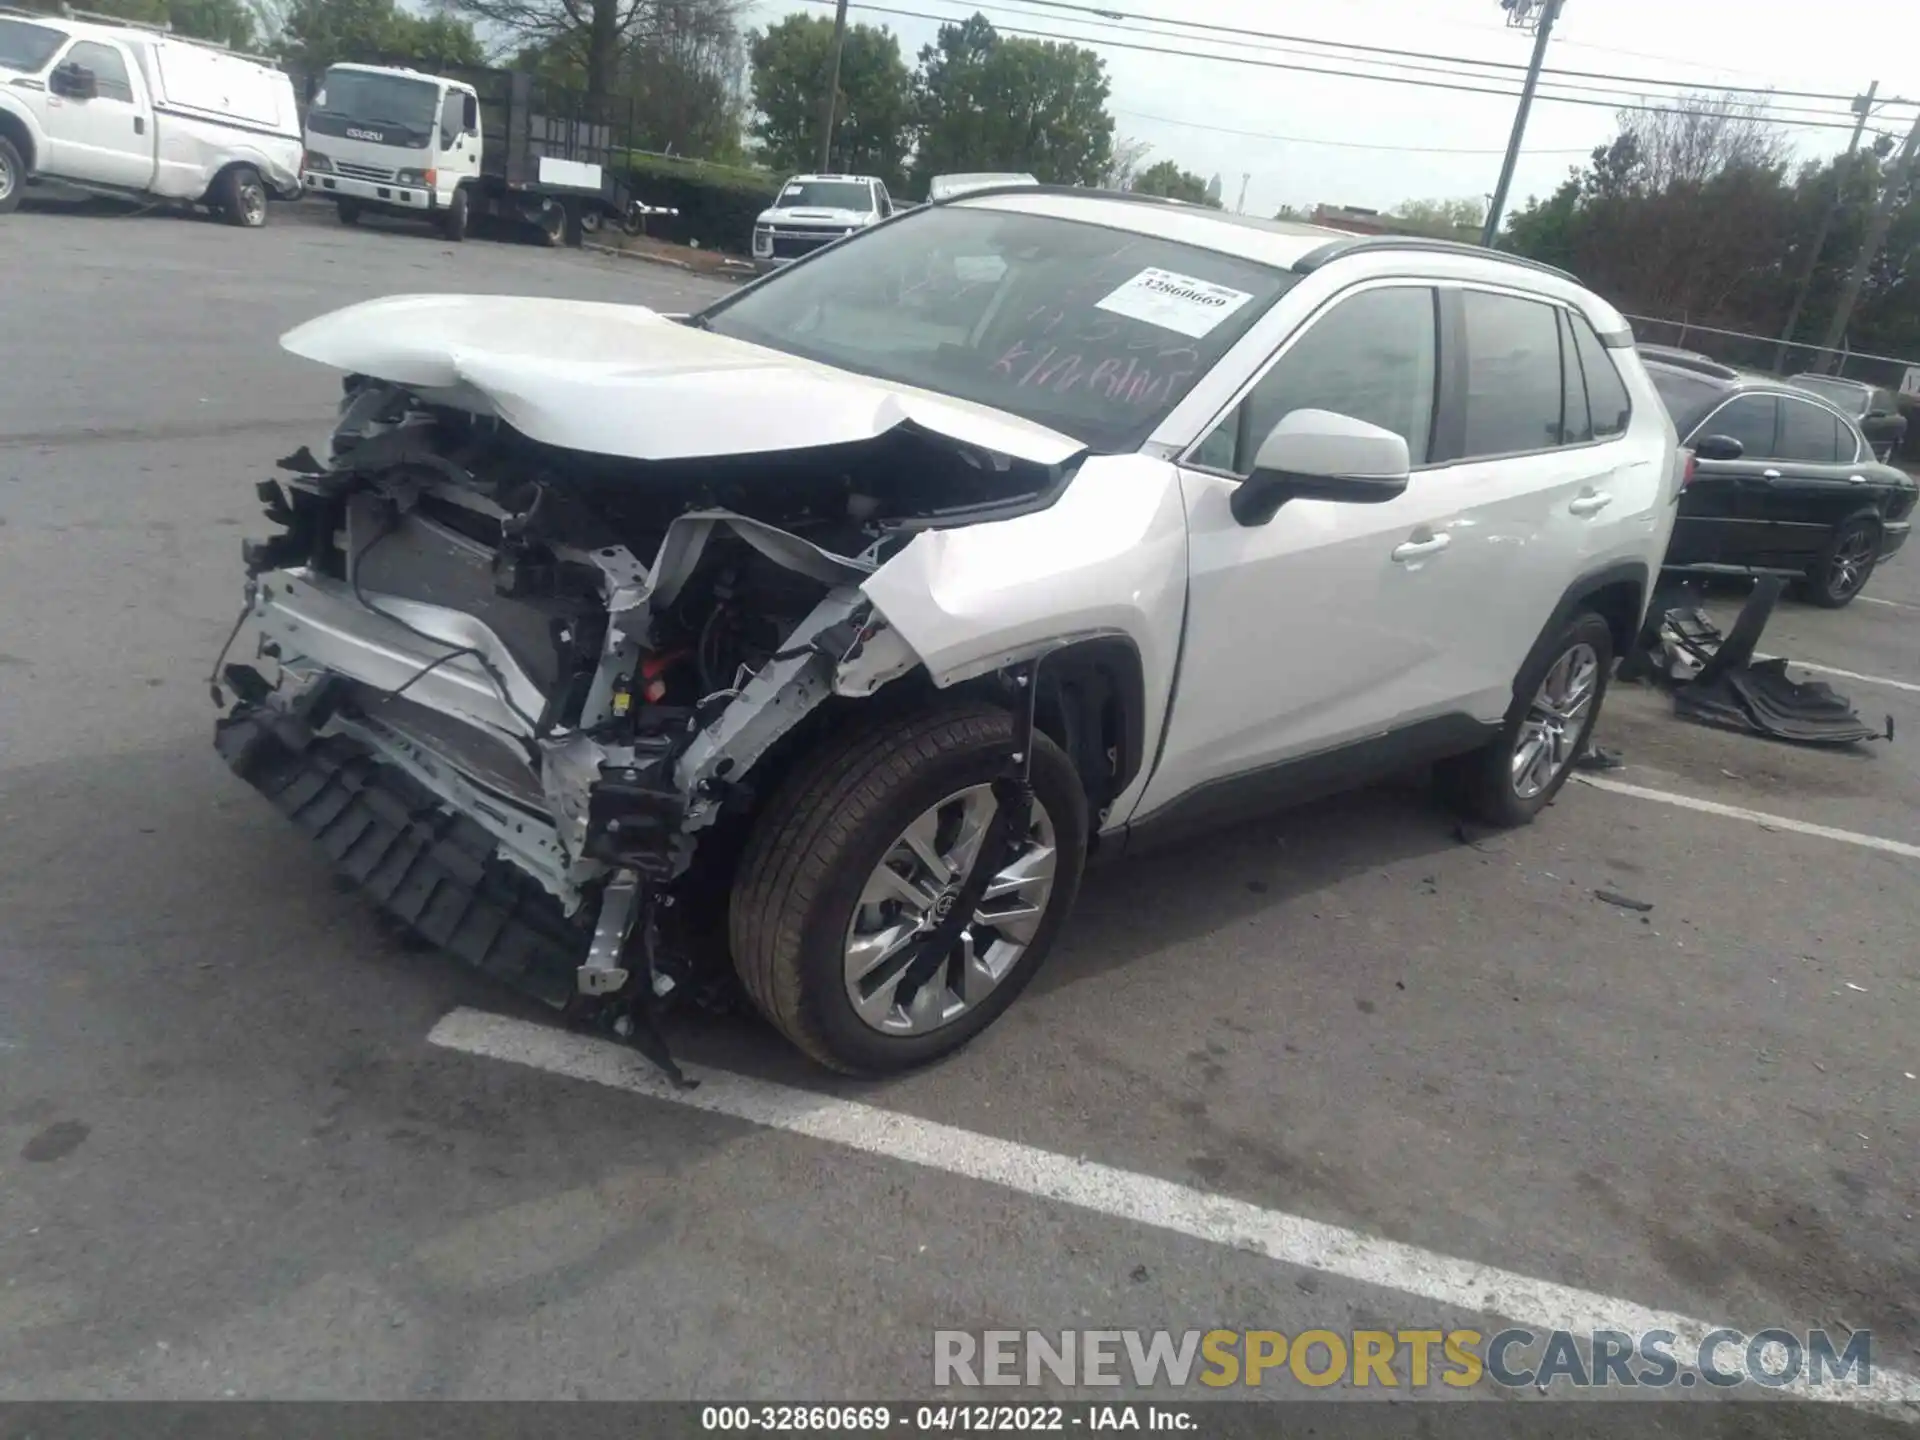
(945, 1419)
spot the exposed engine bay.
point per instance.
(516, 691)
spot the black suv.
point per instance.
(1873, 408)
(1782, 482)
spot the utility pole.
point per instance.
(1899, 176)
(1549, 13)
(1863, 107)
(1245, 177)
(830, 110)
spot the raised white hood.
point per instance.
(624, 380)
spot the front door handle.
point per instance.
(1420, 549)
(1591, 504)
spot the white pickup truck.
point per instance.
(110, 106)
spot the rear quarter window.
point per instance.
(1607, 396)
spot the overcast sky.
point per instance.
(1185, 107)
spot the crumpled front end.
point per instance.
(517, 692)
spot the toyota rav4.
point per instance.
(819, 638)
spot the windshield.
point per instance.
(1094, 332)
(1686, 396)
(826, 195)
(26, 47)
(1848, 396)
(379, 99)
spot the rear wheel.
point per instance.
(863, 852)
(1842, 570)
(590, 219)
(349, 211)
(13, 176)
(240, 195)
(1557, 699)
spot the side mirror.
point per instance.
(1718, 447)
(76, 82)
(1318, 455)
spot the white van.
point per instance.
(128, 109)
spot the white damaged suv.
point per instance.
(819, 638)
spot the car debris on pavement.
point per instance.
(1716, 680)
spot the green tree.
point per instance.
(791, 61)
(993, 102)
(1168, 179)
(1442, 218)
(316, 33)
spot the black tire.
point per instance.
(1482, 783)
(1845, 565)
(453, 224)
(13, 176)
(348, 210)
(823, 834)
(590, 220)
(240, 197)
(552, 225)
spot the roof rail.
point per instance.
(1084, 191)
(152, 27)
(1335, 249)
(1681, 360)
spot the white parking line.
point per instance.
(1757, 817)
(1906, 685)
(1890, 604)
(1106, 1190)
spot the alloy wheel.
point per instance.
(7, 179)
(253, 202)
(913, 889)
(1852, 559)
(1555, 720)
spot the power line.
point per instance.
(1615, 105)
(1333, 144)
(1023, 8)
(1239, 32)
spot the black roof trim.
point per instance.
(1337, 249)
(1680, 360)
(1079, 191)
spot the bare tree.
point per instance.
(600, 37)
(1698, 138)
(1129, 155)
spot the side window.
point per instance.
(1749, 420)
(1371, 357)
(1606, 391)
(886, 200)
(109, 70)
(1808, 433)
(453, 117)
(1514, 390)
(1576, 427)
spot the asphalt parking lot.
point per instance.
(232, 1162)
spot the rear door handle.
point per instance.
(1591, 504)
(1418, 549)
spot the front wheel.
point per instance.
(454, 224)
(240, 196)
(1844, 566)
(13, 176)
(1557, 698)
(348, 211)
(861, 855)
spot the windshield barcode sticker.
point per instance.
(1179, 303)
